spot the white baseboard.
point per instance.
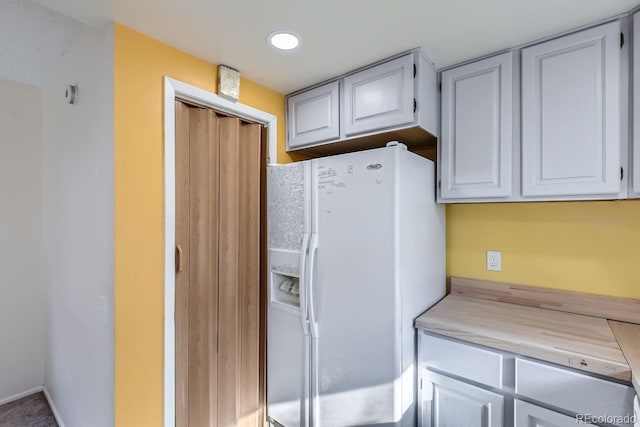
(21, 395)
(35, 390)
(56, 415)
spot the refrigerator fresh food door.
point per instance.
(288, 341)
(354, 293)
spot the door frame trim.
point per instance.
(174, 89)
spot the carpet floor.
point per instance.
(30, 411)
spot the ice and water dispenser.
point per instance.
(285, 279)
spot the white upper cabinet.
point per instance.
(379, 97)
(313, 116)
(571, 114)
(476, 145)
(395, 99)
(635, 179)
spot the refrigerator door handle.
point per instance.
(313, 325)
(304, 318)
(304, 254)
(314, 407)
(305, 414)
(314, 397)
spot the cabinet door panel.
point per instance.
(477, 129)
(313, 116)
(571, 114)
(379, 97)
(452, 403)
(528, 415)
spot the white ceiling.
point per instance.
(32, 40)
(339, 35)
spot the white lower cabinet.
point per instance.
(528, 415)
(452, 403)
(466, 385)
(572, 391)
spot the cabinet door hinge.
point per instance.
(621, 173)
(415, 71)
(440, 87)
(621, 40)
(415, 105)
(439, 185)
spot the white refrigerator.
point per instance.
(356, 252)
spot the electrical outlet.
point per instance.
(494, 261)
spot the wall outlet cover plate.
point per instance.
(494, 261)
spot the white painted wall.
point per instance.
(21, 291)
(78, 233)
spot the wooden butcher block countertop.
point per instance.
(545, 324)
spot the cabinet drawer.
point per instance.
(526, 414)
(466, 361)
(572, 391)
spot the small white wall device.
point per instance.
(71, 94)
(228, 82)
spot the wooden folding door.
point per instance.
(219, 172)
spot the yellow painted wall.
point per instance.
(585, 246)
(581, 246)
(140, 65)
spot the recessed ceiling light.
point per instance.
(283, 40)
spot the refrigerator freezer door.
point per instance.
(356, 356)
(288, 214)
(285, 367)
(288, 199)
